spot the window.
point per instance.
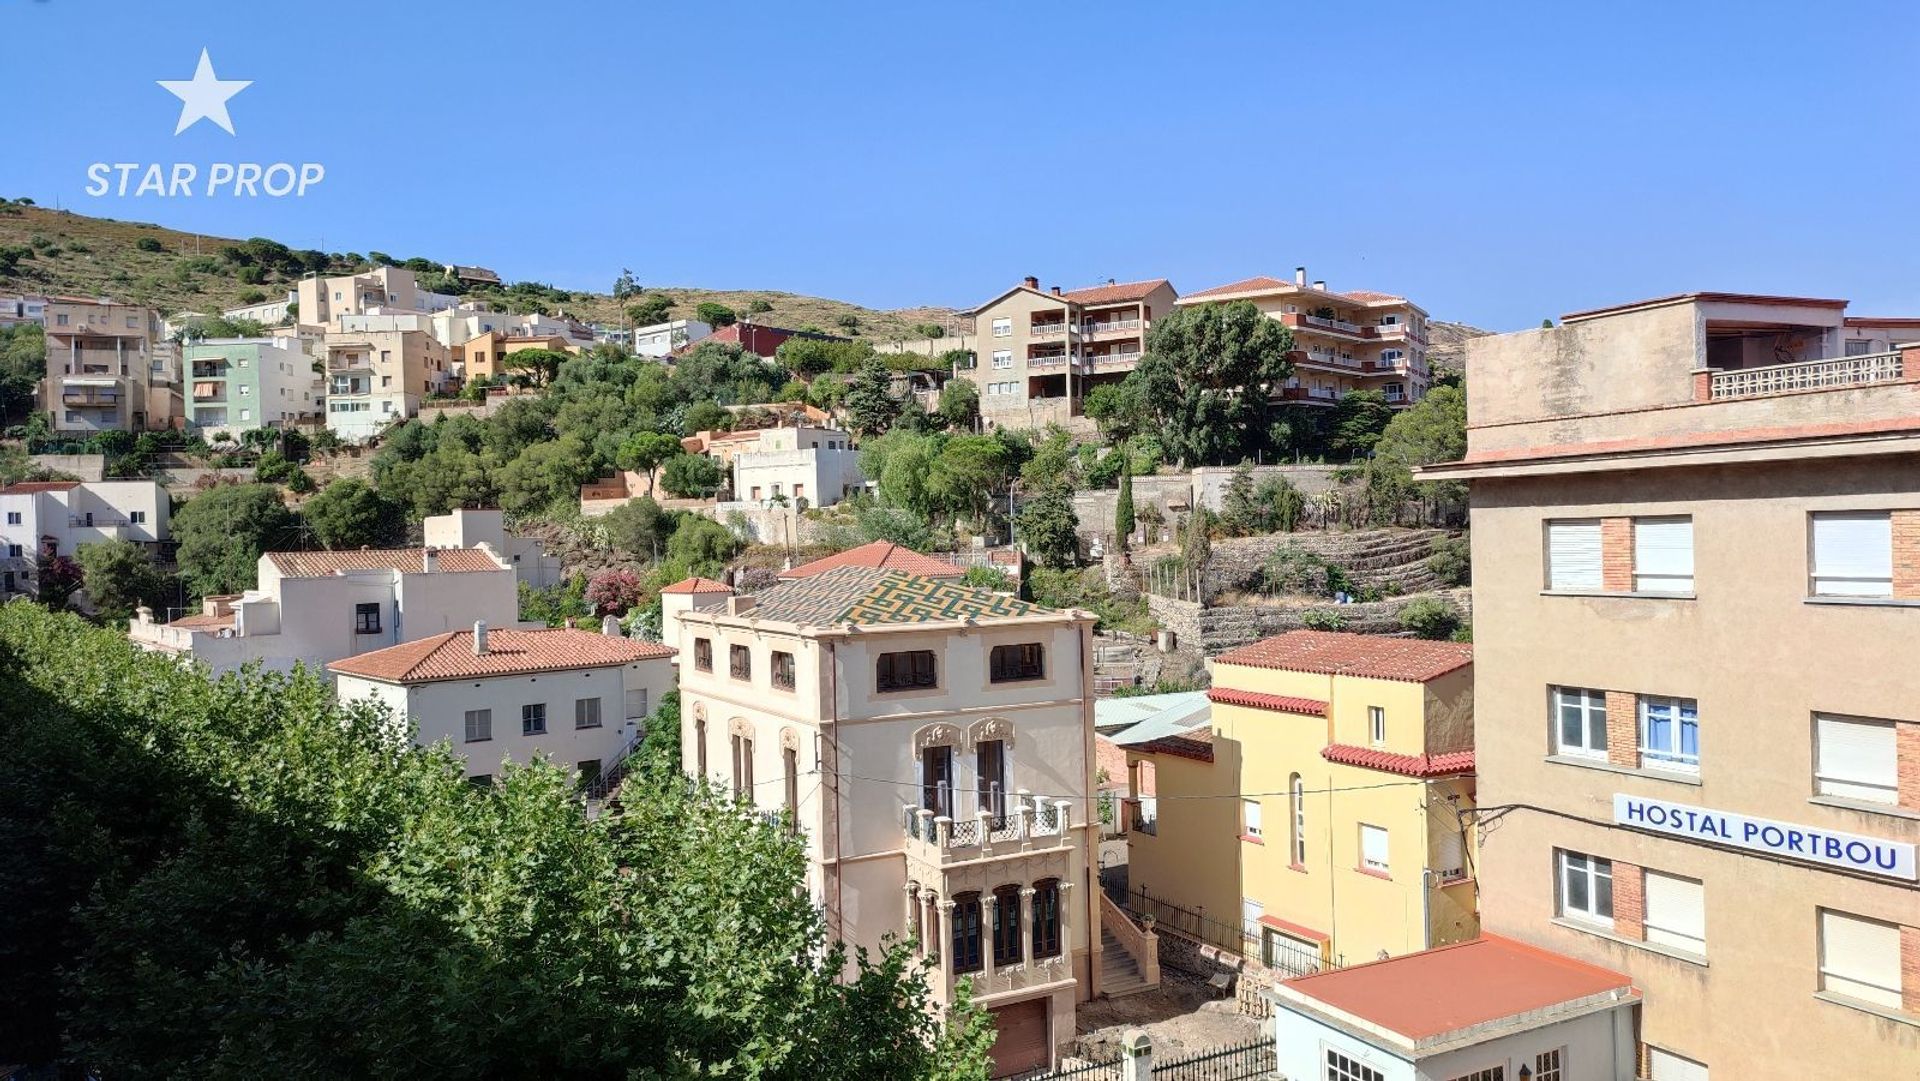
(13, 517)
(1580, 722)
(1006, 926)
(743, 765)
(904, 671)
(1573, 554)
(1002, 327)
(1663, 555)
(1860, 959)
(13, 551)
(790, 762)
(1586, 888)
(1342, 1068)
(1856, 759)
(700, 745)
(703, 654)
(1859, 347)
(991, 772)
(1491, 1073)
(479, 725)
(1046, 918)
(740, 662)
(586, 713)
(138, 517)
(1297, 795)
(1250, 818)
(1010, 663)
(1667, 1066)
(936, 780)
(1377, 725)
(1003, 358)
(533, 719)
(636, 703)
(966, 933)
(366, 618)
(783, 670)
(1670, 733)
(1250, 913)
(1546, 1065)
(1853, 554)
(1676, 912)
(1373, 848)
(481, 780)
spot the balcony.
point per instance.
(88, 397)
(1112, 326)
(1025, 825)
(1055, 360)
(1116, 360)
(209, 393)
(1806, 375)
(1050, 330)
(1330, 326)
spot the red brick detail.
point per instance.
(1906, 553)
(1629, 902)
(1623, 729)
(1910, 969)
(1616, 555)
(1702, 386)
(1907, 737)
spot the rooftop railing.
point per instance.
(1807, 375)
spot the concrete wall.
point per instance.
(1597, 1047)
(82, 466)
(1205, 486)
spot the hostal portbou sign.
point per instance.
(1831, 848)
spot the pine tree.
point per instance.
(1123, 507)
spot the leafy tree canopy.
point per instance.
(222, 533)
(1209, 379)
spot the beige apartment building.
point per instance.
(384, 289)
(934, 746)
(1040, 351)
(374, 378)
(1696, 554)
(109, 368)
(1342, 342)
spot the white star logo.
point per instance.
(204, 97)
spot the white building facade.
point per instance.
(42, 519)
(471, 527)
(818, 465)
(661, 339)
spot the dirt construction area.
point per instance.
(1182, 1015)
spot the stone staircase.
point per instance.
(1119, 973)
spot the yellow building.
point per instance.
(1334, 780)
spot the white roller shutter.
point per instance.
(1676, 912)
(1860, 958)
(1667, 1066)
(1573, 554)
(1857, 759)
(1449, 853)
(1663, 555)
(1373, 848)
(1853, 554)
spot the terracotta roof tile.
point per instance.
(882, 555)
(697, 585)
(451, 656)
(1279, 703)
(28, 487)
(1371, 656)
(1409, 765)
(321, 564)
(1245, 285)
(202, 622)
(1196, 744)
(1114, 294)
(1369, 296)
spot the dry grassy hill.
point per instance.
(1447, 344)
(85, 256)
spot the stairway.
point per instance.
(1119, 973)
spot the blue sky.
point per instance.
(1497, 163)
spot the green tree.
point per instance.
(23, 361)
(715, 314)
(350, 513)
(1210, 377)
(1452, 561)
(639, 527)
(703, 544)
(705, 416)
(222, 532)
(960, 404)
(1048, 526)
(1117, 408)
(651, 308)
(967, 475)
(691, 476)
(1358, 421)
(119, 576)
(542, 364)
(871, 408)
(644, 451)
(1123, 521)
(1433, 430)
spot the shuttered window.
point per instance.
(1853, 554)
(1250, 817)
(1676, 913)
(1667, 1066)
(1373, 848)
(637, 704)
(1449, 852)
(1860, 958)
(1573, 554)
(1663, 555)
(1856, 759)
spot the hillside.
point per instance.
(85, 256)
(1447, 344)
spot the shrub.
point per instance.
(1323, 619)
(1434, 618)
(1452, 561)
(1292, 569)
(147, 243)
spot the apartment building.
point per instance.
(17, 308)
(817, 465)
(377, 377)
(109, 368)
(471, 527)
(934, 746)
(320, 301)
(237, 384)
(1342, 342)
(661, 339)
(1325, 807)
(1696, 553)
(576, 697)
(313, 608)
(1040, 351)
(268, 313)
(485, 354)
(42, 519)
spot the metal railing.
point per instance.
(1808, 375)
(1254, 1059)
(1047, 330)
(1332, 324)
(1111, 326)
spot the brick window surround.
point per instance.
(1616, 555)
(1629, 902)
(1906, 554)
(1907, 736)
(1910, 969)
(1623, 727)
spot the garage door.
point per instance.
(1021, 1043)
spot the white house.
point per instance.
(318, 607)
(39, 519)
(268, 313)
(470, 527)
(18, 308)
(661, 339)
(818, 465)
(574, 696)
(1492, 1009)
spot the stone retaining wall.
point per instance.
(1213, 629)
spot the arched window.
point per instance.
(1006, 925)
(700, 743)
(966, 933)
(1297, 800)
(1046, 918)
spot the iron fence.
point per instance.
(1254, 1059)
(1086, 1071)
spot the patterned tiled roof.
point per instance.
(1410, 765)
(698, 585)
(509, 653)
(1279, 703)
(1114, 294)
(870, 595)
(412, 560)
(1372, 656)
(881, 554)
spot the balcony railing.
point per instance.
(87, 398)
(1808, 375)
(1333, 324)
(1112, 326)
(1116, 358)
(1021, 822)
(1056, 360)
(1047, 330)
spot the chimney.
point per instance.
(610, 626)
(1320, 284)
(1299, 275)
(1031, 282)
(1056, 290)
(429, 560)
(572, 623)
(479, 637)
(739, 606)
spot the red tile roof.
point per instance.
(28, 487)
(880, 555)
(1114, 294)
(1371, 656)
(697, 585)
(1410, 765)
(202, 622)
(412, 560)
(1369, 296)
(1444, 990)
(1279, 703)
(1196, 744)
(509, 653)
(1245, 285)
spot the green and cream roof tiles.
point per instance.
(866, 596)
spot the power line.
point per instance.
(1201, 796)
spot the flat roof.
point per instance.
(1727, 298)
